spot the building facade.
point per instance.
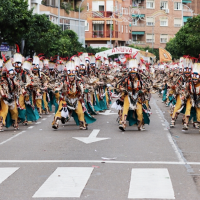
(67, 21)
(157, 21)
(105, 27)
(195, 5)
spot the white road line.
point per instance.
(30, 127)
(65, 182)
(176, 150)
(163, 124)
(174, 147)
(49, 116)
(44, 118)
(6, 172)
(99, 161)
(5, 141)
(38, 123)
(150, 184)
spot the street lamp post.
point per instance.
(58, 21)
(182, 12)
(79, 10)
(111, 33)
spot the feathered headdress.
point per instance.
(18, 58)
(9, 67)
(71, 69)
(36, 61)
(1, 63)
(27, 66)
(133, 65)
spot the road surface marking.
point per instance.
(38, 123)
(150, 184)
(49, 116)
(91, 138)
(65, 182)
(30, 127)
(165, 129)
(163, 124)
(171, 141)
(6, 172)
(107, 112)
(44, 118)
(100, 161)
(12, 137)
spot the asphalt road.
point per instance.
(37, 162)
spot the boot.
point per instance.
(1, 124)
(83, 125)
(122, 126)
(55, 124)
(185, 127)
(172, 124)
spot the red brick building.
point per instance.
(158, 21)
(105, 23)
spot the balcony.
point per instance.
(102, 14)
(104, 34)
(139, 25)
(138, 7)
(139, 42)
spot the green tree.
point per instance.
(186, 40)
(42, 37)
(69, 44)
(147, 48)
(14, 20)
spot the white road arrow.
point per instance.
(107, 112)
(92, 137)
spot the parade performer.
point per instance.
(132, 99)
(72, 103)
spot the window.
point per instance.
(134, 37)
(86, 26)
(163, 21)
(177, 6)
(88, 7)
(122, 28)
(97, 5)
(164, 5)
(177, 22)
(134, 23)
(150, 21)
(150, 4)
(163, 38)
(126, 29)
(150, 38)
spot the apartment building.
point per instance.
(157, 21)
(67, 21)
(195, 5)
(105, 26)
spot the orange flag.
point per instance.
(164, 55)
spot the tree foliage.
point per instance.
(186, 40)
(42, 36)
(147, 48)
(14, 20)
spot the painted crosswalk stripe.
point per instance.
(65, 182)
(30, 127)
(150, 183)
(6, 172)
(38, 123)
(44, 118)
